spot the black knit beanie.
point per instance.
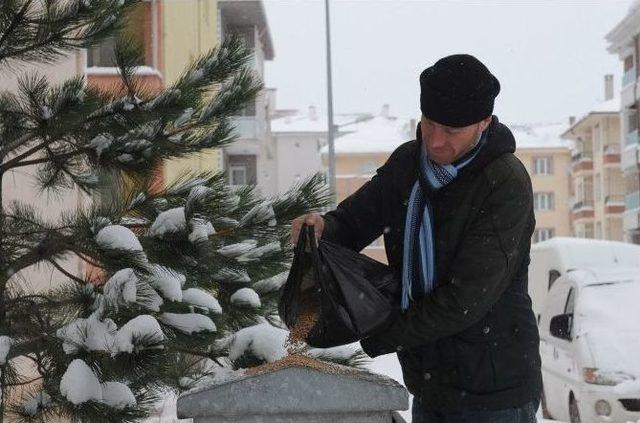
(457, 91)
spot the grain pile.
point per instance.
(307, 318)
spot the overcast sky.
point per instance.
(549, 55)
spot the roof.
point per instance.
(599, 275)
(540, 135)
(581, 253)
(561, 242)
(607, 107)
(308, 122)
(377, 135)
(624, 30)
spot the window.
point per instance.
(553, 276)
(628, 63)
(102, 55)
(241, 169)
(542, 234)
(568, 308)
(542, 165)
(237, 175)
(134, 30)
(632, 121)
(248, 110)
(543, 201)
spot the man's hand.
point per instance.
(311, 219)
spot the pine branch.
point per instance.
(33, 32)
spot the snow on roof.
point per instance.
(579, 253)
(377, 135)
(540, 135)
(311, 122)
(582, 243)
(603, 274)
(607, 106)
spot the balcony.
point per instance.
(582, 209)
(614, 204)
(250, 128)
(582, 161)
(631, 220)
(611, 154)
(632, 138)
(109, 80)
(582, 205)
(628, 91)
(629, 77)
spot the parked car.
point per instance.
(552, 258)
(590, 346)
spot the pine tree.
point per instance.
(171, 273)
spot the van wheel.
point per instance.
(574, 413)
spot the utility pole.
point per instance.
(330, 128)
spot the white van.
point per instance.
(556, 256)
(590, 346)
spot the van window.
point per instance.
(569, 305)
(553, 275)
(568, 309)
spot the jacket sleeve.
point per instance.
(484, 265)
(358, 220)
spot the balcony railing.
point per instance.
(614, 199)
(582, 204)
(632, 201)
(632, 138)
(582, 156)
(629, 77)
(612, 149)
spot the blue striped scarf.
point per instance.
(418, 232)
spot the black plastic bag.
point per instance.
(357, 296)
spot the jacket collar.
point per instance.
(499, 141)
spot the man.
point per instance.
(455, 208)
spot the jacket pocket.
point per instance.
(482, 363)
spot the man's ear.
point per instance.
(486, 122)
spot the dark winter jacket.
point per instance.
(473, 342)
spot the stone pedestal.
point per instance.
(298, 394)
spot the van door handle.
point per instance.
(555, 353)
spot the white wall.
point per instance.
(298, 157)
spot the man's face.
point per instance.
(446, 144)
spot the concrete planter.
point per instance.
(298, 394)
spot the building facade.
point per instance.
(624, 41)
(250, 160)
(597, 180)
(547, 158)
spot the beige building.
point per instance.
(547, 158)
(360, 152)
(598, 184)
(624, 41)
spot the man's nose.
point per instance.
(437, 141)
